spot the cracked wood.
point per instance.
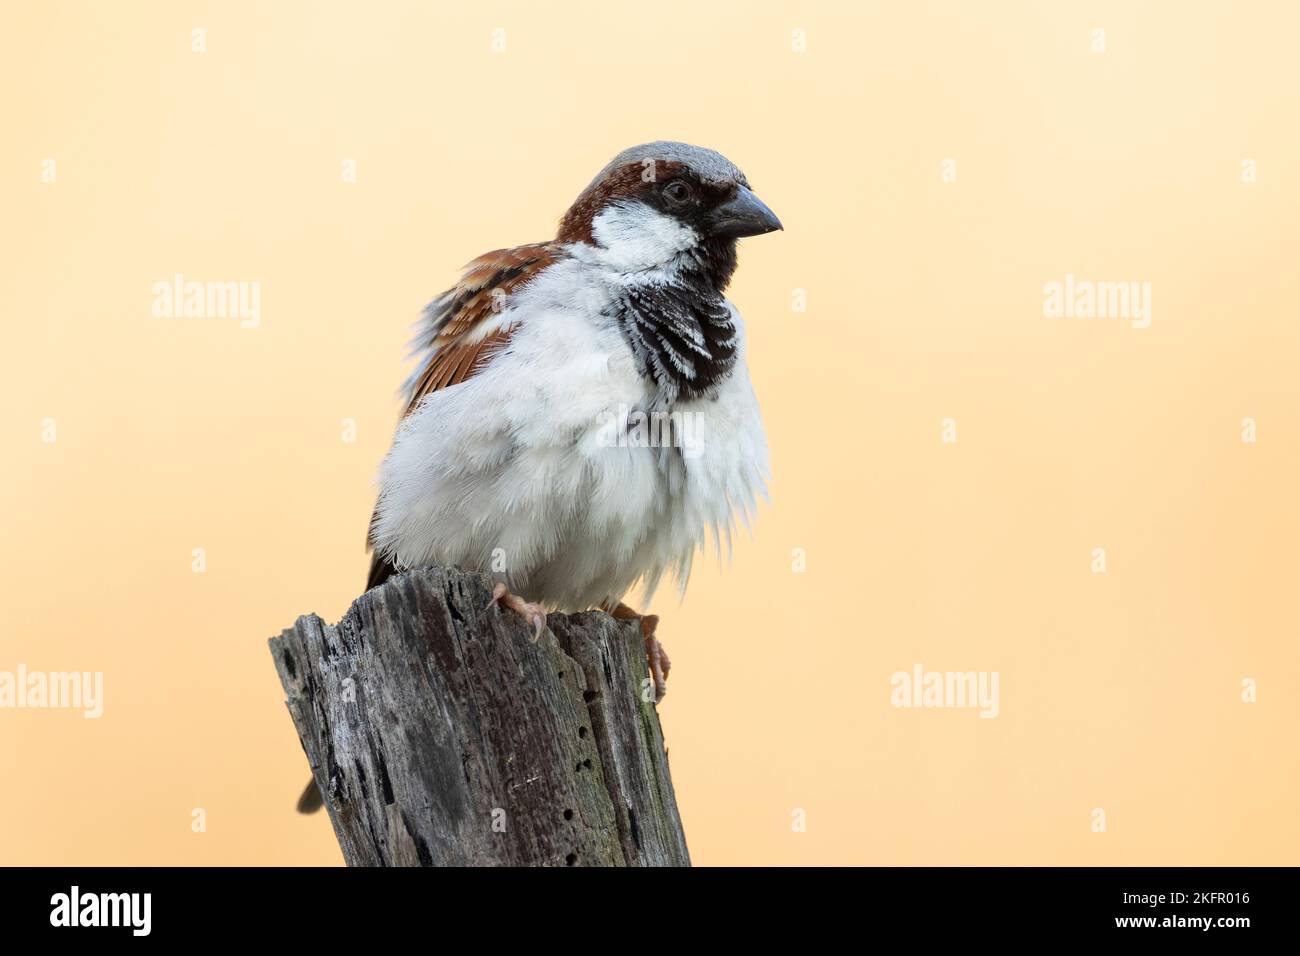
(441, 735)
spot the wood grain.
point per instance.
(440, 734)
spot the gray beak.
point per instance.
(743, 215)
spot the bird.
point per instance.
(580, 418)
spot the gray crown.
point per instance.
(709, 165)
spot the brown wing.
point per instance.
(458, 334)
(452, 336)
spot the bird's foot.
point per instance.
(532, 613)
(655, 655)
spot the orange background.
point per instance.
(1119, 690)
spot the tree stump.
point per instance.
(440, 734)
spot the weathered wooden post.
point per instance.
(440, 734)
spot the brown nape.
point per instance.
(629, 180)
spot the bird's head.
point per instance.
(663, 202)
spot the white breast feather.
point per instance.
(508, 472)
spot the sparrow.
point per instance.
(581, 417)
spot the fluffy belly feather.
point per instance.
(538, 471)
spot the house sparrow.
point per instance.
(581, 416)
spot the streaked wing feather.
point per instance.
(452, 340)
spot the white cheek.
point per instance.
(633, 236)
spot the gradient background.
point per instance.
(924, 301)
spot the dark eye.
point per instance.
(678, 191)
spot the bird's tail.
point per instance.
(311, 800)
(381, 569)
